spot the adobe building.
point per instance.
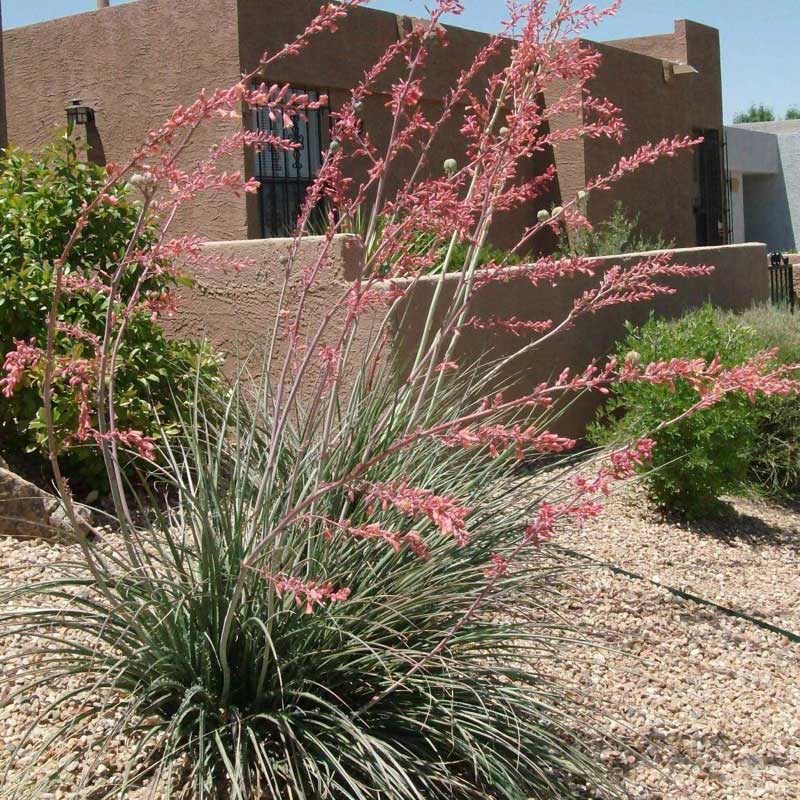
(764, 175)
(133, 63)
(3, 131)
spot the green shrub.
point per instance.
(40, 197)
(708, 454)
(775, 464)
(620, 233)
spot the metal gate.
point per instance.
(286, 175)
(709, 199)
(781, 282)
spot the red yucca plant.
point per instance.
(326, 598)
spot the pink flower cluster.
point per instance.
(79, 375)
(582, 506)
(17, 362)
(307, 594)
(373, 531)
(444, 512)
(498, 438)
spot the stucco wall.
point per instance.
(768, 155)
(632, 76)
(3, 131)
(336, 63)
(766, 211)
(752, 150)
(237, 311)
(133, 63)
(789, 148)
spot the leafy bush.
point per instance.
(707, 454)
(40, 198)
(775, 463)
(620, 233)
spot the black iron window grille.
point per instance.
(285, 175)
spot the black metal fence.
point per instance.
(781, 282)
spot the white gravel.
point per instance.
(705, 705)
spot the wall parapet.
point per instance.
(236, 311)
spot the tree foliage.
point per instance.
(756, 113)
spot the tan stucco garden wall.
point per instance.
(236, 311)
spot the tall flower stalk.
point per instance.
(333, 468)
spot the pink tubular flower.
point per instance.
(308, 594)
(512, 325)
(133, 439)
(76, 283)
(17, 362)
(446, 366)
(330, 357)
(498, 567)
(77, 332)
(159, 303)
(498, 438)
(445, 512)
(373, 531)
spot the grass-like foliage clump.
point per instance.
(775, 462)
(310, 707)
(620, 233)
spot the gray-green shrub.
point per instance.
(620, 233)
(705, 455)
(775, 463)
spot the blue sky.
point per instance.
(759, 39)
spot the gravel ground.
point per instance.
(704, 705)
(85, 756)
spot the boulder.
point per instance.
(26, 511)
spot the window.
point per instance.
(285, 175)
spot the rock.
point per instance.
(26, 511)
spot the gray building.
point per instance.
(764, 175)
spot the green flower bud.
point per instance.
(633, 359)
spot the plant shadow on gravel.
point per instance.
(735, 527)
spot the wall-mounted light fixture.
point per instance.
(79, 114)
